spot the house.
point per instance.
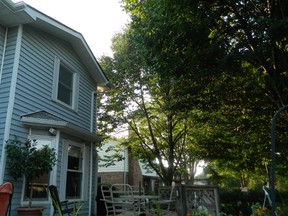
(129, 170)
(48, 88)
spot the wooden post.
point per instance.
(180, 197)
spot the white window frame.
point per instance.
(75, 84)
(41, 140)
(64, 169)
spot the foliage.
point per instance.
(76, 209)
(236, 202)
(223, 66)
(210, 37)
(26, 159)
(257, 210)
(158, 134)
(200, 211)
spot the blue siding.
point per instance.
(34, 87)
(6, 76)
(35, 78)
(2, 38)
(4, 99)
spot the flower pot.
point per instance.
(33, 211)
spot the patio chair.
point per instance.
(139, 196)
(123, 200)
(107, 198)
(267, 196)
(165, 204)
(61, 207)
(138, 190)
(6, 193)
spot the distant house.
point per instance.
(129, 170)
(48, 87)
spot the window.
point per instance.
(65, 85)
(40, 184)
(74, 172)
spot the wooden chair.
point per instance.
(60, 207)
(107, 198)
(6, 193)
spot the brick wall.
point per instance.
(135, 175)
(112, 178)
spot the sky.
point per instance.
(97, 20)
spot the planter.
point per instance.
(33, 211)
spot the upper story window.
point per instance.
(65, 85)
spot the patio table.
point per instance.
(147, 200)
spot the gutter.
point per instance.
(17, 6)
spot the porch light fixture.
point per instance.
(52, 131)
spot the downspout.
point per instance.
(3, 55)
(93, 98)
(92, 121)
(12, 93)
(125, 162)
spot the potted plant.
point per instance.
(28, 160)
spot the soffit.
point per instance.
(12, 14)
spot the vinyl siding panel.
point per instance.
(9, 56)
(34, 88)
(2, 97)
(2, 40)
(120, 166)
(35, 78)
(6, 75)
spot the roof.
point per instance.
(146, 170)
(46, 119)
(13, 14)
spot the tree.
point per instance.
(194, 79)
(158, 134)
(206, 37)
(205, 43)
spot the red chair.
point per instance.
(6, 193)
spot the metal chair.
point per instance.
(123, 200)
(6, 194)
(139, 196)
(107, 198)
(60, 207)
(267, 196)
(165, 204)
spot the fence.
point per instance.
(196, 197)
